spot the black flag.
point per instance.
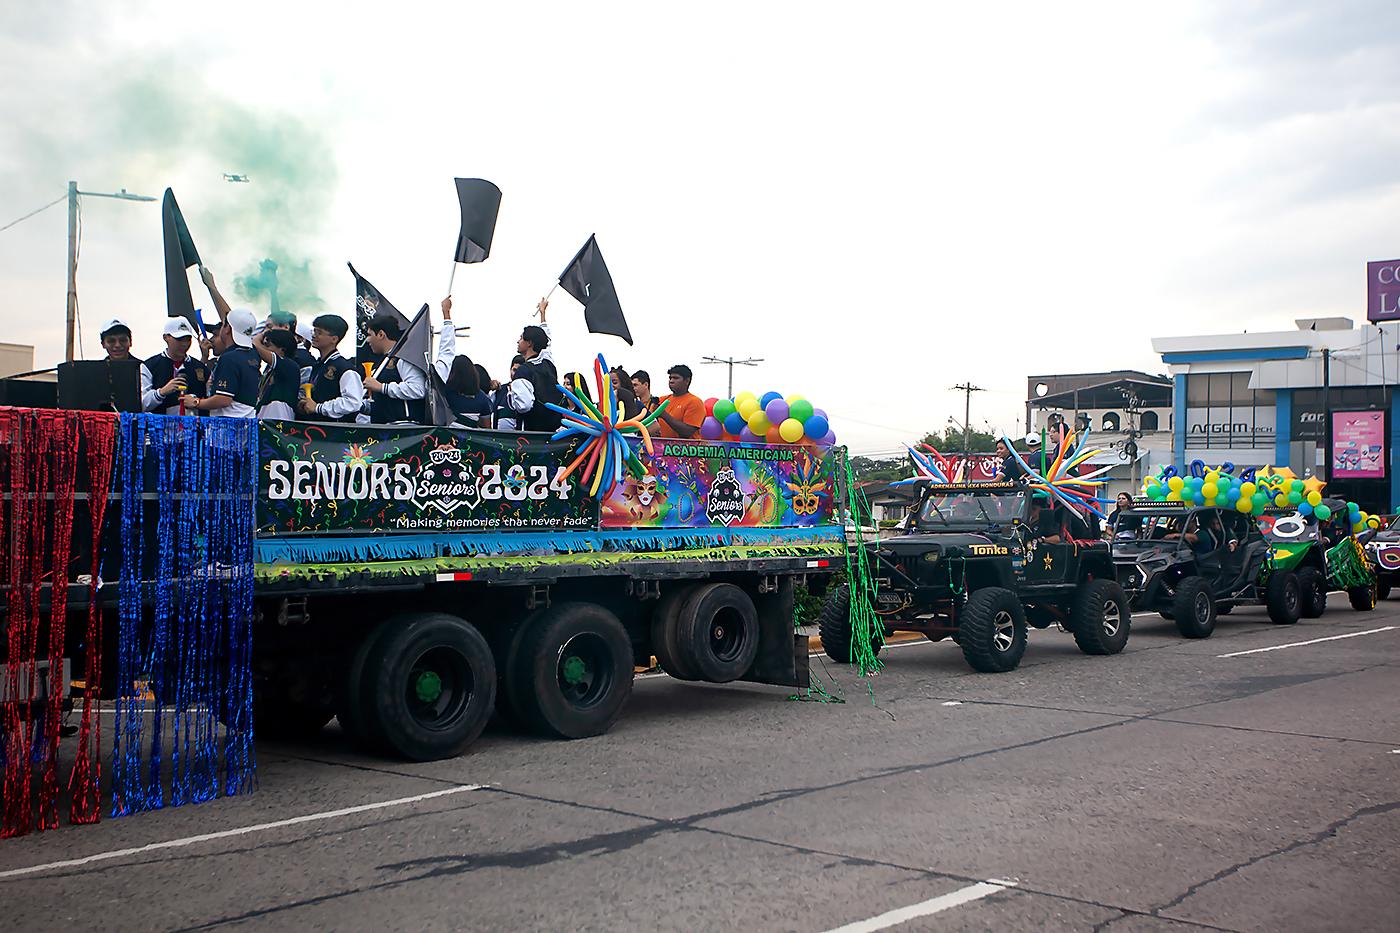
(369, 302)
(586, 278)
(481, 202)
(180, 254)
(415, 341)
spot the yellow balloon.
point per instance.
(1314, 499)
(743, 397)
(1175, 484)
(1174, 496)
(1212, 477)
(791, 430)
(1210, 490)
(747, 407)
(1245, 505)
(1247, 490)
(758, 422)
(795, 398)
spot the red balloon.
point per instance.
(710, 406)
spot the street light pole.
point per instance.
(731, 363)
(73, 193)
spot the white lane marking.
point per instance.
(932, 906)
(953, 703)
(1311, 641)
(241, 831)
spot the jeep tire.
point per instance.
(834, 625)
(992, 630)
(1099, 618)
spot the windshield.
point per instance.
(971, 508)
(1145, 526)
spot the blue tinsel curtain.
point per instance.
(184, 709)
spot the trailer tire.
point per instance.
(1193, 608)
(1099, 618)
(353, 711)
(665, 634)
(1362, 598)
(717, 632)
(1283, 598)
(834, 626)
(430, 683)
(1312, 592)
(574, 671)
(992, 630)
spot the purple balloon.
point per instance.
(711, 430)
(748, 437)
(829, 439)
(818, 411)
(777, 411)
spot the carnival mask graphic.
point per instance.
(806, 488)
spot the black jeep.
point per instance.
(970, 567)
(1190, 563)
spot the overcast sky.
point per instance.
(880, 200)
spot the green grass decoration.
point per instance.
(866, 629)
(1347, 567)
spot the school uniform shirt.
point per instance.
(160, 369)
(401, 399)
(237, 376)
(339, 399)
(277, 390)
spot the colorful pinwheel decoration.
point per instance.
(608, 450)
(1077, 492)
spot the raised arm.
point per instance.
(220, 304)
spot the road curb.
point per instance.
(814, 642)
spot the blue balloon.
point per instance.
(1198, 498)
(1233, 496)
(734, 423)
(816, 427)
(1304, 508)
(768, 397)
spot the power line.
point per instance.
(32, 213)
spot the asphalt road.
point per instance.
(1166, 788)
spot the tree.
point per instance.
(866, 469)
(950, 441)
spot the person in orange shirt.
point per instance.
(682, 418)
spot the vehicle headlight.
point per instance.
(931, 557)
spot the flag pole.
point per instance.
(452, 279)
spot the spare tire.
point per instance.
(717, 632)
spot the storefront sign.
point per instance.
(1383, 290)
(1308, 425)
(1358, 444)
(691, 484)
(1227, 426)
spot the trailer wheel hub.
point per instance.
(428, 686)
(575, 669)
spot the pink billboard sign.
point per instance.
(1383, 290)
(1358, 445)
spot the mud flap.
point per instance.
(782, 654)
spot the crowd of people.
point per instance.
(280, 369)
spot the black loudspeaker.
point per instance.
(100, 385)
(24, 393)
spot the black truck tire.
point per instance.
(1312, 592)
(353, 711)
(834, 625)
(1193, 608)
(1099, 618)
(717, 632)
(574, 671)
(1362, 598)
(505, 648)
(430, 684)
(992, 630)
(1282, 597)
(665, 634)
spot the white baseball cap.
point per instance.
(242, 322)
(111, 323)
(305, 332)
(178, 327)
(1032, 440)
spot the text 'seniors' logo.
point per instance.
(725, 503)
(446, 484)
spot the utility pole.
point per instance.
(967, 388)
(731, 363)
(1326, 414)
(73, 193)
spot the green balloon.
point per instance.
(1295, 497)
(801, 410)
(1322, 512)
(723, 409)
(1296, 485)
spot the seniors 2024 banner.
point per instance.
(338, 478)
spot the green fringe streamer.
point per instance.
(278, 573)
(866, 629)
(1347, 566)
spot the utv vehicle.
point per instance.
(969, 568)
(1162, 570)
(1321, 553)
(1384, 552)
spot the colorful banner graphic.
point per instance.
(1358, 444)
(326, 477)
(692, 484)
